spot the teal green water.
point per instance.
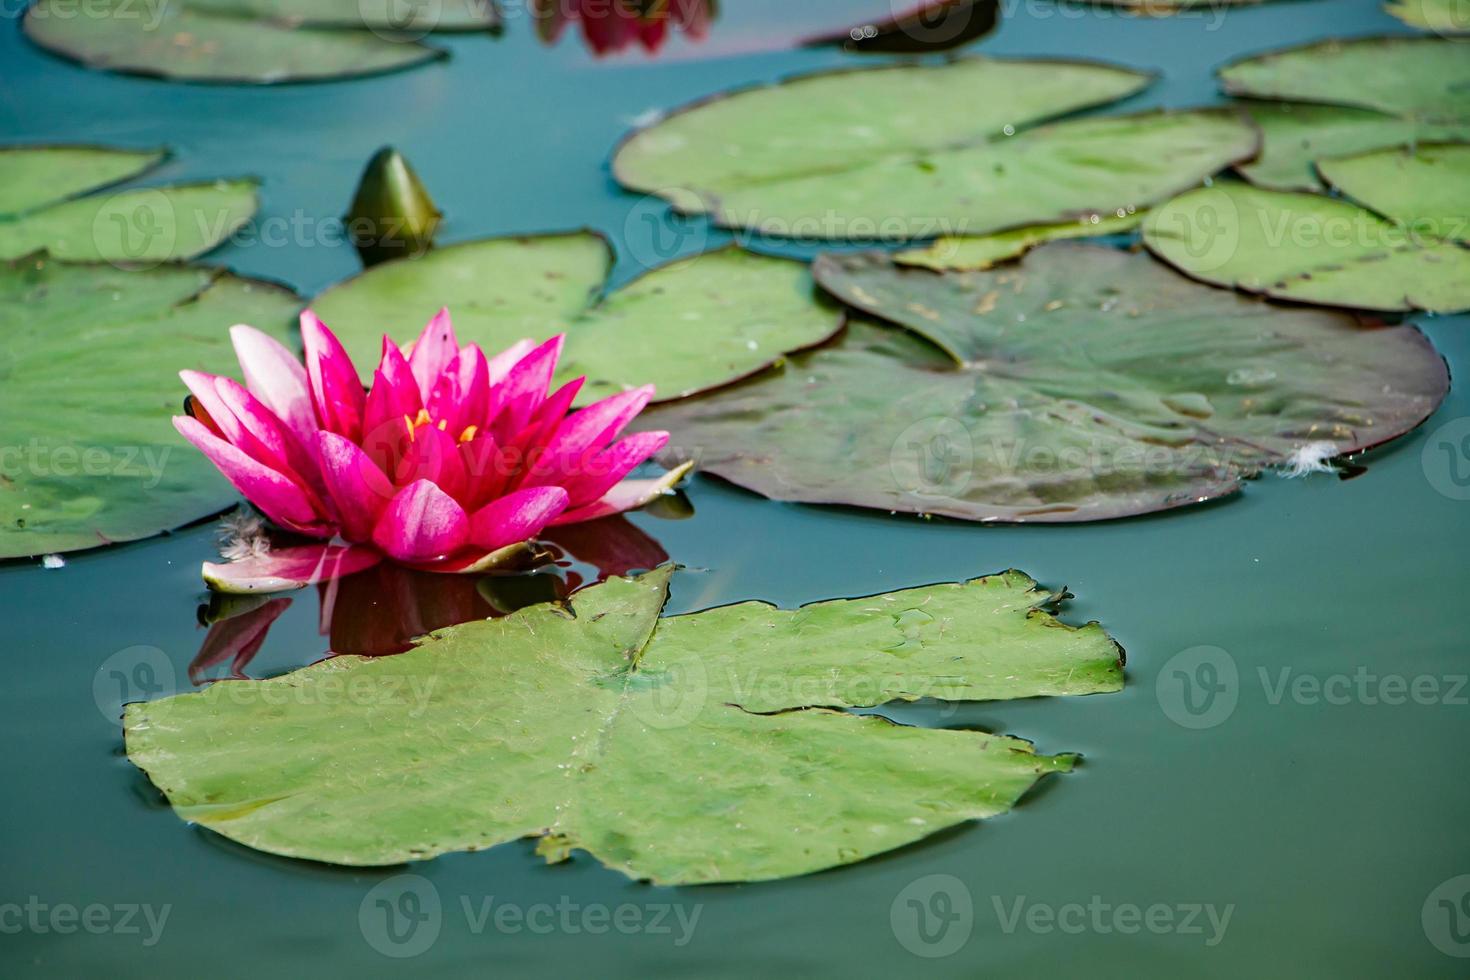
(1322, 828)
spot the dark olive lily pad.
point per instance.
(838, 123)
(709, 747)
(1316, 249)
(689, 326)
(928, 25)
(89, 362)
(174, 39)
(1083, 383)
(1345, 97)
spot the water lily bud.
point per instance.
(392, 214)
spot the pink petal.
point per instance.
(276, 377)
(336, 390)
(356, 485)
(501, 363)
(517, 516)
(386, 424)
(432, 352)
(515, 400)
(422, 523)
(432, 454)
(598, 475)
(282, 499)
(270, 434)
(599, 423)
(628, 495)
(530, 444)
(398, 377)
(461, 396)
(290, 568)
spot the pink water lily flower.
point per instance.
(451, 461)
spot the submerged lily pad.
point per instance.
(971, 253)
(700, 748)
(176, 39)
(1083, 383)
(1345, 97)
(689, 326)
(89, 361)
(33, 177)
(839, 123)
(1317, 249)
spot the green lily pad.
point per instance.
(1445, 17)
(1314, 249)
(691, 749)
(1368, 93)
(1426, 187)
(1045, 176)
(975, 252)
(176, 40)
(89, 361)
(33, 177)
(689, 326)
(1295, 135)
(374, 15)
(144, 226)
(839, 123)
(1083, 383)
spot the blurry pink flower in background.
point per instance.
(610, 26)
(450, 462)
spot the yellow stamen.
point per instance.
(468, 433)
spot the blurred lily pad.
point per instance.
(1440, 16)
(686, 327)
(710, 747)
(1083, 383)
(33, 177)
(1344, 97)
(927, 25)
(1316, 249)
(836, 124)
(229, 40)
(142, 226)
(975, 252)
(89, 361)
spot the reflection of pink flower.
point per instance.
(610, 26)
(385, 609)
(447, 461)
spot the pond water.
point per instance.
(1319, 823)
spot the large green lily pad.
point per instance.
(702, 748)
(1316, 249)
(176, 40)
(40, 209)
(1045, 176)
(1425, 187)
(89, 362)
(1345, 97)
(33, 177)
(375, 15)
(689, 326)
(838, 123)
(1083, 383)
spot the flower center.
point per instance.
(423, 419)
